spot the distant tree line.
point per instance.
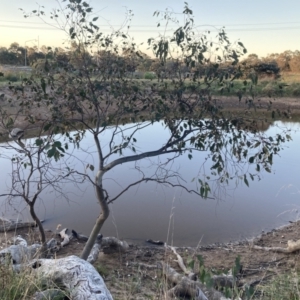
(271, 65)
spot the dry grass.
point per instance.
(290, 77)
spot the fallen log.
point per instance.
(185, 286)
(9, 225)
(95, 251)
(223, 280)
(75, 276)
(292, 246)
(109, 244)
(20, 253)
(112, 244)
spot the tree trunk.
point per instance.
(41, 229)
(100, 220)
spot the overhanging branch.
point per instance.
(160, 181)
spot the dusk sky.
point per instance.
(264, 26)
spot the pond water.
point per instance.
(171, 214)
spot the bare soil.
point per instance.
(127, 280)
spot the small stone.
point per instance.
(147, 254)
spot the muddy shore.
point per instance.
(122, 277)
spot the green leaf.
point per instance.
(43, 85)
(273, 114)
(95, 19)
(191, 264)
(47, 127)
(51, 152)
(92, 168)
(268, 169)
(190, 156)
(200, 259)
(246, 180)
(270, 158)
(256, 144)
(241, 44)
(57, 144)
(251, 159)
(39, 142)
(9, 122)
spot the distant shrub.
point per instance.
(11, 77)
(270, 89)
(138, 75)
(296, 91)
(149, 76)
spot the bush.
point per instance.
(12, 77)
(296, 91)
(270, 90)
(150, 76)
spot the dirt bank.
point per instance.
(287, 108)
(126, 280)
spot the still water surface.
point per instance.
(161, 213)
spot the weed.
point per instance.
(150, 76)
(284, 286)
(102, 270)
(16, 285)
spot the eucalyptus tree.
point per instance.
(34, 171)
(97, 94)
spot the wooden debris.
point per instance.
(77, 277)
(66, 239)
(112, 245)
(95, 251)
(159, 243)
(185, 286)
(292, 246)
(9, 225)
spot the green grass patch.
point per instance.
(284, 286)
(287, 86)
(13, 76)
